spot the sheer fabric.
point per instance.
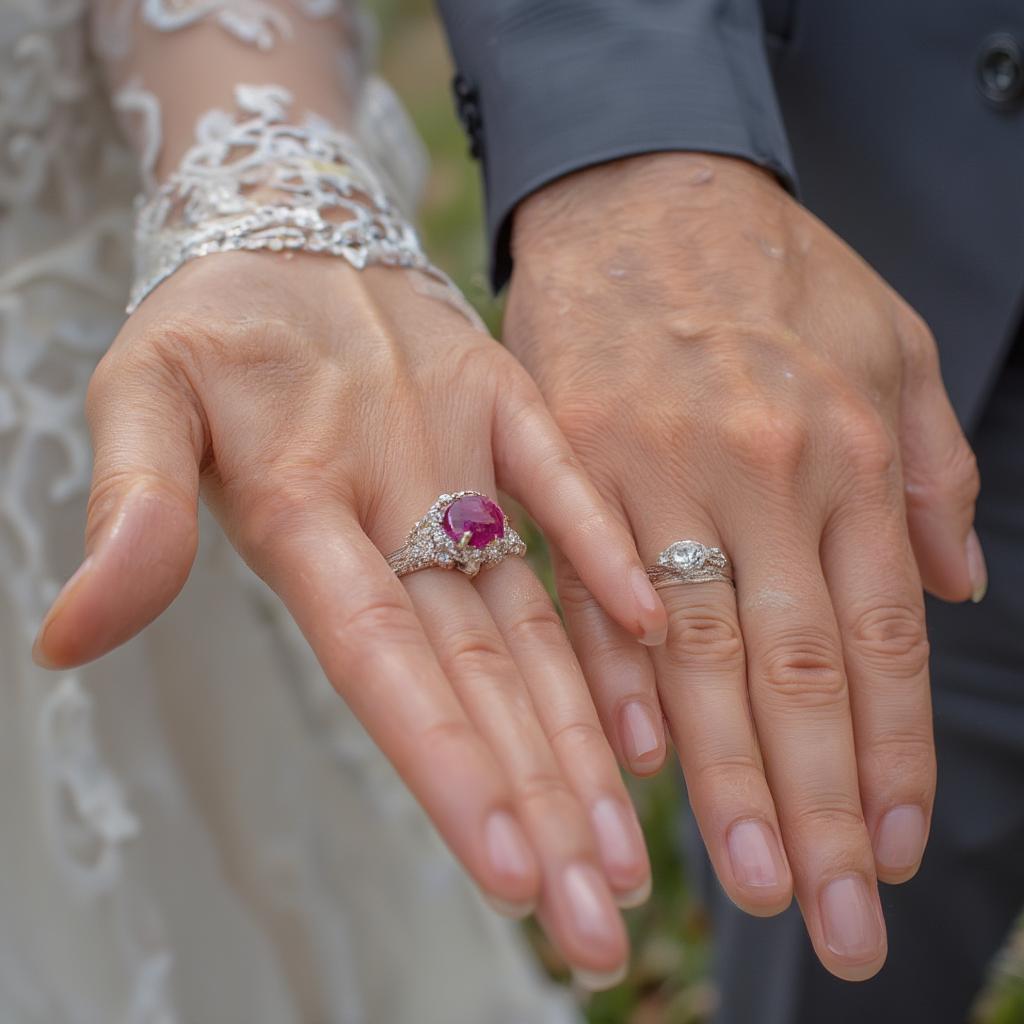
(193, 829)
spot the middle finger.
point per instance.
(702, 683)
(801, 708)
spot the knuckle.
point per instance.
(544, 787)
(573, 595)
(738, 775)
(382, 614)
(903, 758)
(358, 632)
(476, 652)
(962, 477)
(805, 670)
(450, 733)
(865, 443)
(920, 352)
(836, 816)
(536, 625)
(705, 634)
(766, 440)
(954, 488)
(577, 739)
(110, 485)
(892, 639)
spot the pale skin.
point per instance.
(319, 412)
(728, 370)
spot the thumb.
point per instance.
(142, 529)
(941, 483)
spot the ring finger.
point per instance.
(701, 673)
(578, 906)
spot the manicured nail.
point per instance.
(899, 842)
(850, 919)
(634, 897)
(976, 567)
(516, 911)
(594, 915)
(650, 604)
(599, 981)
(751, 844)
(641, 734)
(619, 839)
(38, 655)
(507, 847)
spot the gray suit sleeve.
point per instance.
(546, 87)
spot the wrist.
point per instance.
(636, 193)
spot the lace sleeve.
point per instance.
(251, 120)
(170, 62)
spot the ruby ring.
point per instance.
(465, 531)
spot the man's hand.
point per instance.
(729, 371)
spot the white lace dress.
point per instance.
(193, 829)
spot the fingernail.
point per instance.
(516, 911)
(507, 847)
(899, 842)
(650, 605)
(641, 733)
(751, 844)
(594, 915)
(38, 655)
(619, 839)
(850, 919)
(635, 897)
(599, 981)
(976, 567)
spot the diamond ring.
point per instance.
(465, 531)
(689, 561)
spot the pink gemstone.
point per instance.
(476, 515)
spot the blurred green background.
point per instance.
(669, 981)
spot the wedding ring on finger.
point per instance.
(465, 531)
(689, 561)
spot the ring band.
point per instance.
(689, 561)
(465, 531)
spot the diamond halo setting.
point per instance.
(685, 555)
(464, 530)
(689, 561)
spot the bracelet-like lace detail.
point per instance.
(259, 23)
(255, 181)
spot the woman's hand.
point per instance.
(729, 371)
(321, 411)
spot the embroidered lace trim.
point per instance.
(253, 181)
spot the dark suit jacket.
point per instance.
(902, 120)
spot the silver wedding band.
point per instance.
(688, 562)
